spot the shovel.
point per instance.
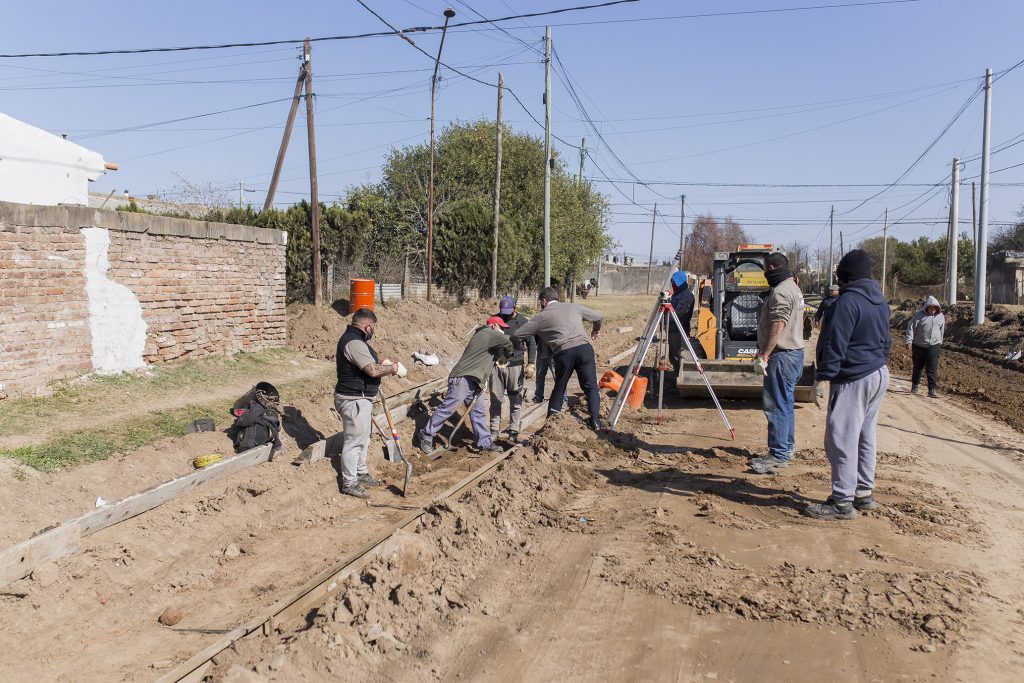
(395, 453)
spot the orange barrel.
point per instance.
(636, 393)
(361, 294)
(610, 380)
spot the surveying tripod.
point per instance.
(656, 332)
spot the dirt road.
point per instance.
(659, 556)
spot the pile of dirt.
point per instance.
(427, 578)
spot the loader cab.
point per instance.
(739, 288)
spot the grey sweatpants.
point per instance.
(850, 433)
(510, 381)
(461, 391)
(357, 422)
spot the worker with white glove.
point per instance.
(510, 379)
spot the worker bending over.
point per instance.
(560, 326)
(510, 379)
(359, 374)
(488, 347)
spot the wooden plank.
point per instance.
(201, 660)
(20, 560)
(622, 356)
(129, 507)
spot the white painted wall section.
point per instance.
(115, 314)
(38, 167)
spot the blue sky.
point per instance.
(830, 96)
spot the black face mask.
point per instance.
(777, 276)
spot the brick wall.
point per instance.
(203, 288)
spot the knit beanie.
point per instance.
(856, 265)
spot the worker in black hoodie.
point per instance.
(852, 356)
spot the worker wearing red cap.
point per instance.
(489, 346)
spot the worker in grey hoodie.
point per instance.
(924, 340)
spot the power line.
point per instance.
(298, 41)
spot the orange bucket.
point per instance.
(361, 294)
(636, 393)
(610, 380)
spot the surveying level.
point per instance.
(656, 331)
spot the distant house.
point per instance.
(38, 167)
(1006, 277)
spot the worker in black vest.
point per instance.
(359, 375)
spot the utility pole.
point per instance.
(953, 239)
(241, 189)
(974, 217)
(583, 155)
(314, 197)
(842, 250)
(497, 193)
(981, 249)
(682, 229)
(831, 247)
(287, 135)
(885, 248)
(547, 156)
(448, 14)
(650, 260)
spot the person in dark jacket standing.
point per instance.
(852, 355)
(510, 379)
(488, 347)
(826, 303)
(359, 375)
(924, 340)
(682, 304)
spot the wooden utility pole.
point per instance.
(885, 248)
(497, 193)
(547, 157)
(842, 250)
(831, 246)
(287, 135)
(953, 237)
(583, 155)
(650, 259)
(314, 197)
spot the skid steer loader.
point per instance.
(727, 329)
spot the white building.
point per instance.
(38, 167)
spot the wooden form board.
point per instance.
(18, 561)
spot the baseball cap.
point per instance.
(496, 320)
(506, 304)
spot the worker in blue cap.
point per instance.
(682, 302)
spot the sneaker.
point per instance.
(367, 480)
(766, 464)
(356, 491)
(538, 399)
(865, 502)
(913, 388)
(831, 509)
(493, 448)
(426, 444)
(933, 393)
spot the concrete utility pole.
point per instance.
(953, 239)
(547, 156)
(287, 135)
(974, 217)
(448, 14)
(583, 155)
(831, 245)
(682, 229)
(497, 193)
(314, 196)
(885, 248)
(650, 259)
(842, 250)
(241, 189)
(981, 250)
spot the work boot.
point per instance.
(426, 444)
(598, 425)
(768, 463)
(831, 509)
(492, 448)
(933, 393)
(513, 437)
(913, 388)
(367, 480)
(356, 491)
(865, 502)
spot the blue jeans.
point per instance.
(777, 399)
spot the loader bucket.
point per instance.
(735, 379)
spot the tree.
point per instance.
(1010, 238)
(707, 236)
